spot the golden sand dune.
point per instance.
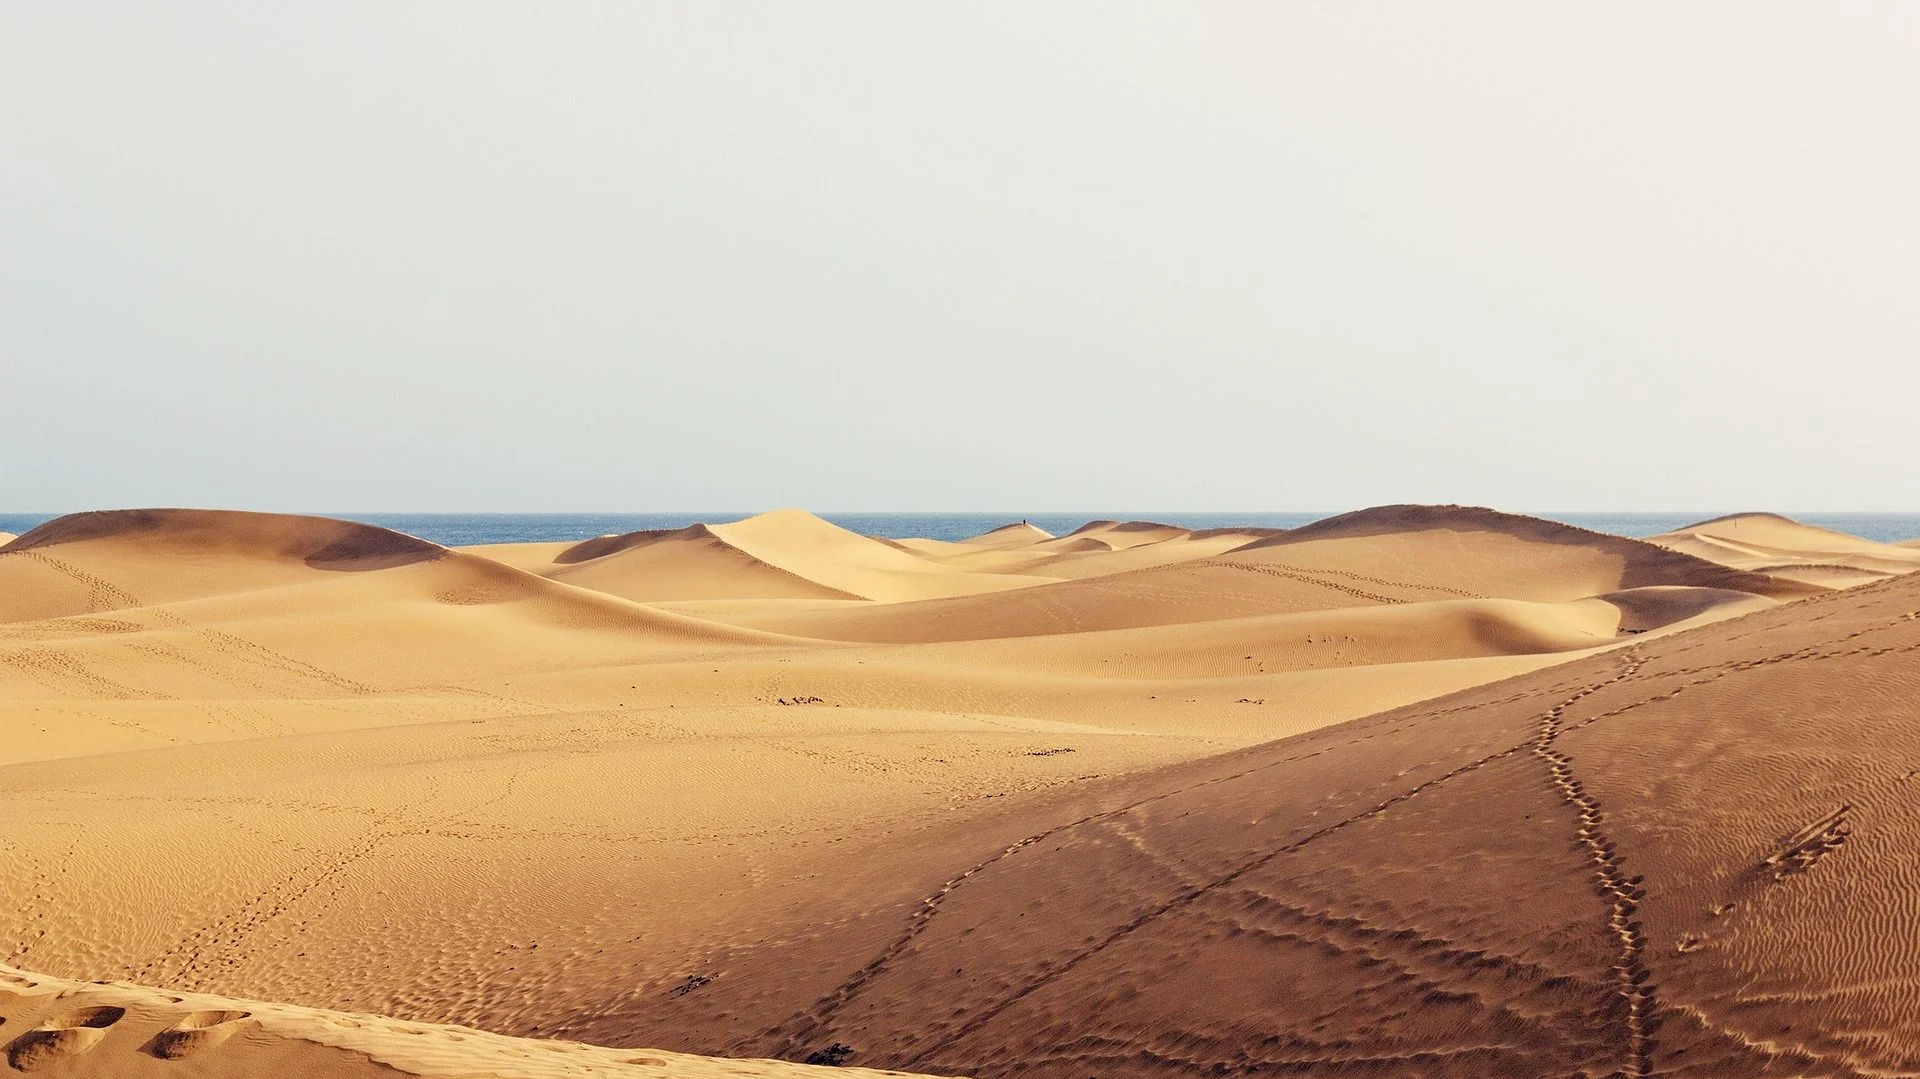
(204, 553)
(118, 1030)
(1467, 550)
(786, 554)
(691, 563)
(1080, 556)
(1781, 547)
(1397, 554)
(1014, 534)
(309, 761)
(1119, 535)
(1691, 856)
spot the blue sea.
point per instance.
(459, 529)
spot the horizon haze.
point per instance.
(859, 257)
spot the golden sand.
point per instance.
(1415, 790)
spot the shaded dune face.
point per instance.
(118, 559)
(1412, 791)
(1632, 563)
(319, 542)
(1693, 856)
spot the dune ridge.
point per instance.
(1640, 562)
(784, 554)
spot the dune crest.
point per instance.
(1465, 548)
(320, 542)
(1013, 534)
(784, 554)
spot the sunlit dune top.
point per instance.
(1012, 534)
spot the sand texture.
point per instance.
(126, 1031)
(1410, 791)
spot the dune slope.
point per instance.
(1474, 551)
(1694, 857)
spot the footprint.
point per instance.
(62, 1037)
(196, 1031)
(652, 1062)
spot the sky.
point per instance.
(988, 256)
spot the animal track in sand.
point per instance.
(105, 596)
(1810, 844)
(1633, 982)
(1304, 577)
(61, 1037)
(195, 1032)
(814, 1020)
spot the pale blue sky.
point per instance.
(886, 256)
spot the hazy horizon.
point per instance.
(469, 528)
(437, 256)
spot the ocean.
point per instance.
(460, 529)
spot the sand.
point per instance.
(118, 1029)
(1780, 547)
(1179, 800)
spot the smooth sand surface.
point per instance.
(705, 789)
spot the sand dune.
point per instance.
(1014, 534)
(204, 553)
(692, 563)
(1467, 550)
(1784, 548)
(1692, 856)
(687, 789)
(119, 1030)
(1393, 555)
(1120, 535)
(1081, 556)
(786, 554)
